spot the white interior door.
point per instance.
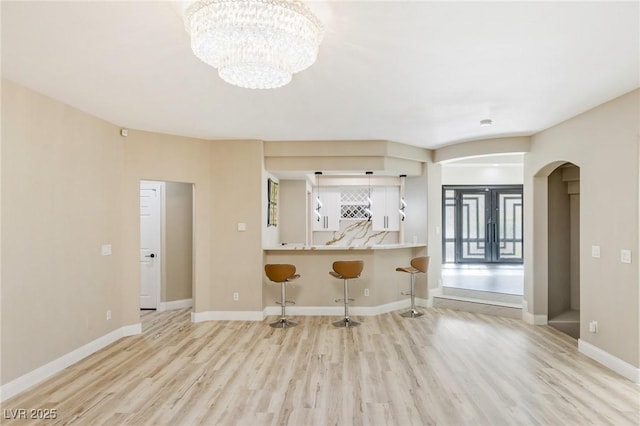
(150, 241)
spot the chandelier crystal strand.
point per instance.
(256, 44)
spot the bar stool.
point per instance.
(282, 273)
(419, 265)
(346, 270)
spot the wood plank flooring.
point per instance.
(445, 368)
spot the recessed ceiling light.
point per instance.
(486, 122)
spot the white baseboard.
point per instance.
(533, 319)
(338, 310)
(605, 358)
(40, 374)
(227, 316)
(425, 303)
(304, 311)
(175, 304)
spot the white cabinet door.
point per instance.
(393, 208)
(379, 208)
(385, 201)
(329, 219)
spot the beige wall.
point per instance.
(603, 142)
(434, 206)
(239, 194)
(416, 190)
(465, 174)
(178, 242)
(70, 183)
(293, 211)
(61, 198)
(152, 156)
(482, 147)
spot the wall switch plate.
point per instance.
(106, 249)
(108, 314)
(242, 227)
(595, 251)
(625, 256)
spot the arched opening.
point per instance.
(557, 264)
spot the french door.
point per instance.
(482, 224)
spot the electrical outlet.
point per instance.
(595, 251)
(108, 314)
(236, 296)
(366, 292)
(593, 326)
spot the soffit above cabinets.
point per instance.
(294, 159)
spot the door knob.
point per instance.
(152, 255)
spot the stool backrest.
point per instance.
(348, 268)
(420, 263)
(279, 272)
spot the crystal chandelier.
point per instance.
(257, 44)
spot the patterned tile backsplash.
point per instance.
(355, 233)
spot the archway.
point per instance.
(557, 246)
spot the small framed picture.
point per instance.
(272, 207)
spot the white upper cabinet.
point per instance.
(385, 203)
(329, 219)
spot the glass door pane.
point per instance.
(509, 226)
(449, 226)
(472, 239)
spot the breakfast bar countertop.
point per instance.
(293, 246)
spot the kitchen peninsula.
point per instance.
(315, 292)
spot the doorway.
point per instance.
(166, 245)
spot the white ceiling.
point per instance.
(421, 73)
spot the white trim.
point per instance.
(131, 330)
(605, 358)
(338, 310)
(424, 303)
(532, 319)
(175, 304)
(42, 373)
(307, 311)
(227, 316)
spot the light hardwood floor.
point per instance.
(445, 368)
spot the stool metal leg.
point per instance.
(413, 312)
(283, 322)
(346, 321)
